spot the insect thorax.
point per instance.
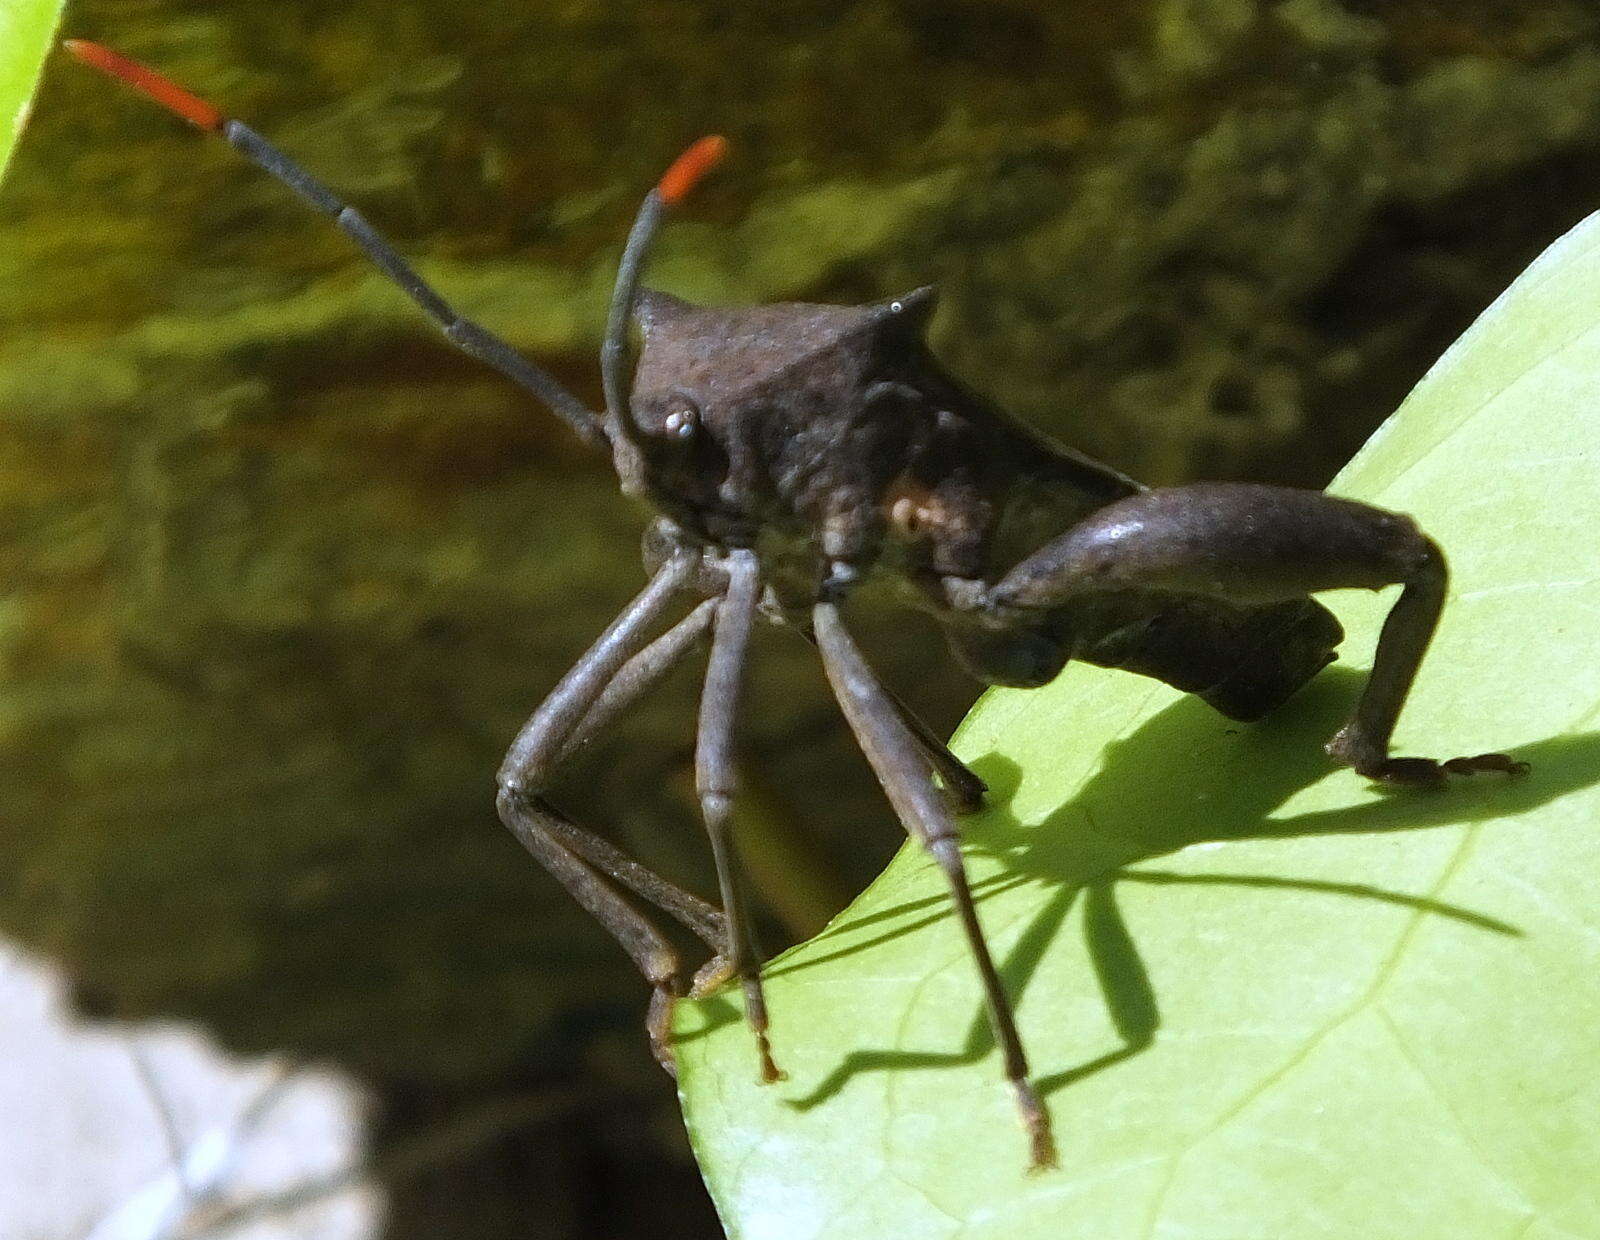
(830, 434)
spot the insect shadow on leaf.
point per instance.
(1107, 829)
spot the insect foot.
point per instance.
(1347, 748)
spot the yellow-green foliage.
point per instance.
(26, 27)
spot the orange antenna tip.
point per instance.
(690, 168)
(167, 93)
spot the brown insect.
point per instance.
(788, 453)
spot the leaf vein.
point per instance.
(1385, 971)
(1449, 1108)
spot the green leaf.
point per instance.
(27, 29)
(1262, 997)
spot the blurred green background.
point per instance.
(284, 573)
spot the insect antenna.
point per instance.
(674, 186)
(463, 333)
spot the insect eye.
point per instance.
(681, 422)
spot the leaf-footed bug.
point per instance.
(790, 452)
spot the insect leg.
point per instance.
(902, 769)
(539, 829)
(638, 675)
(463, 333)
(1364, 741)
(540, 742)
(715, 782)
(964, 784)
(1261, 546)
(583, 863)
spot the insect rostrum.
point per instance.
(791, 452)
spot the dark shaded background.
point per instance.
(284, 573)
